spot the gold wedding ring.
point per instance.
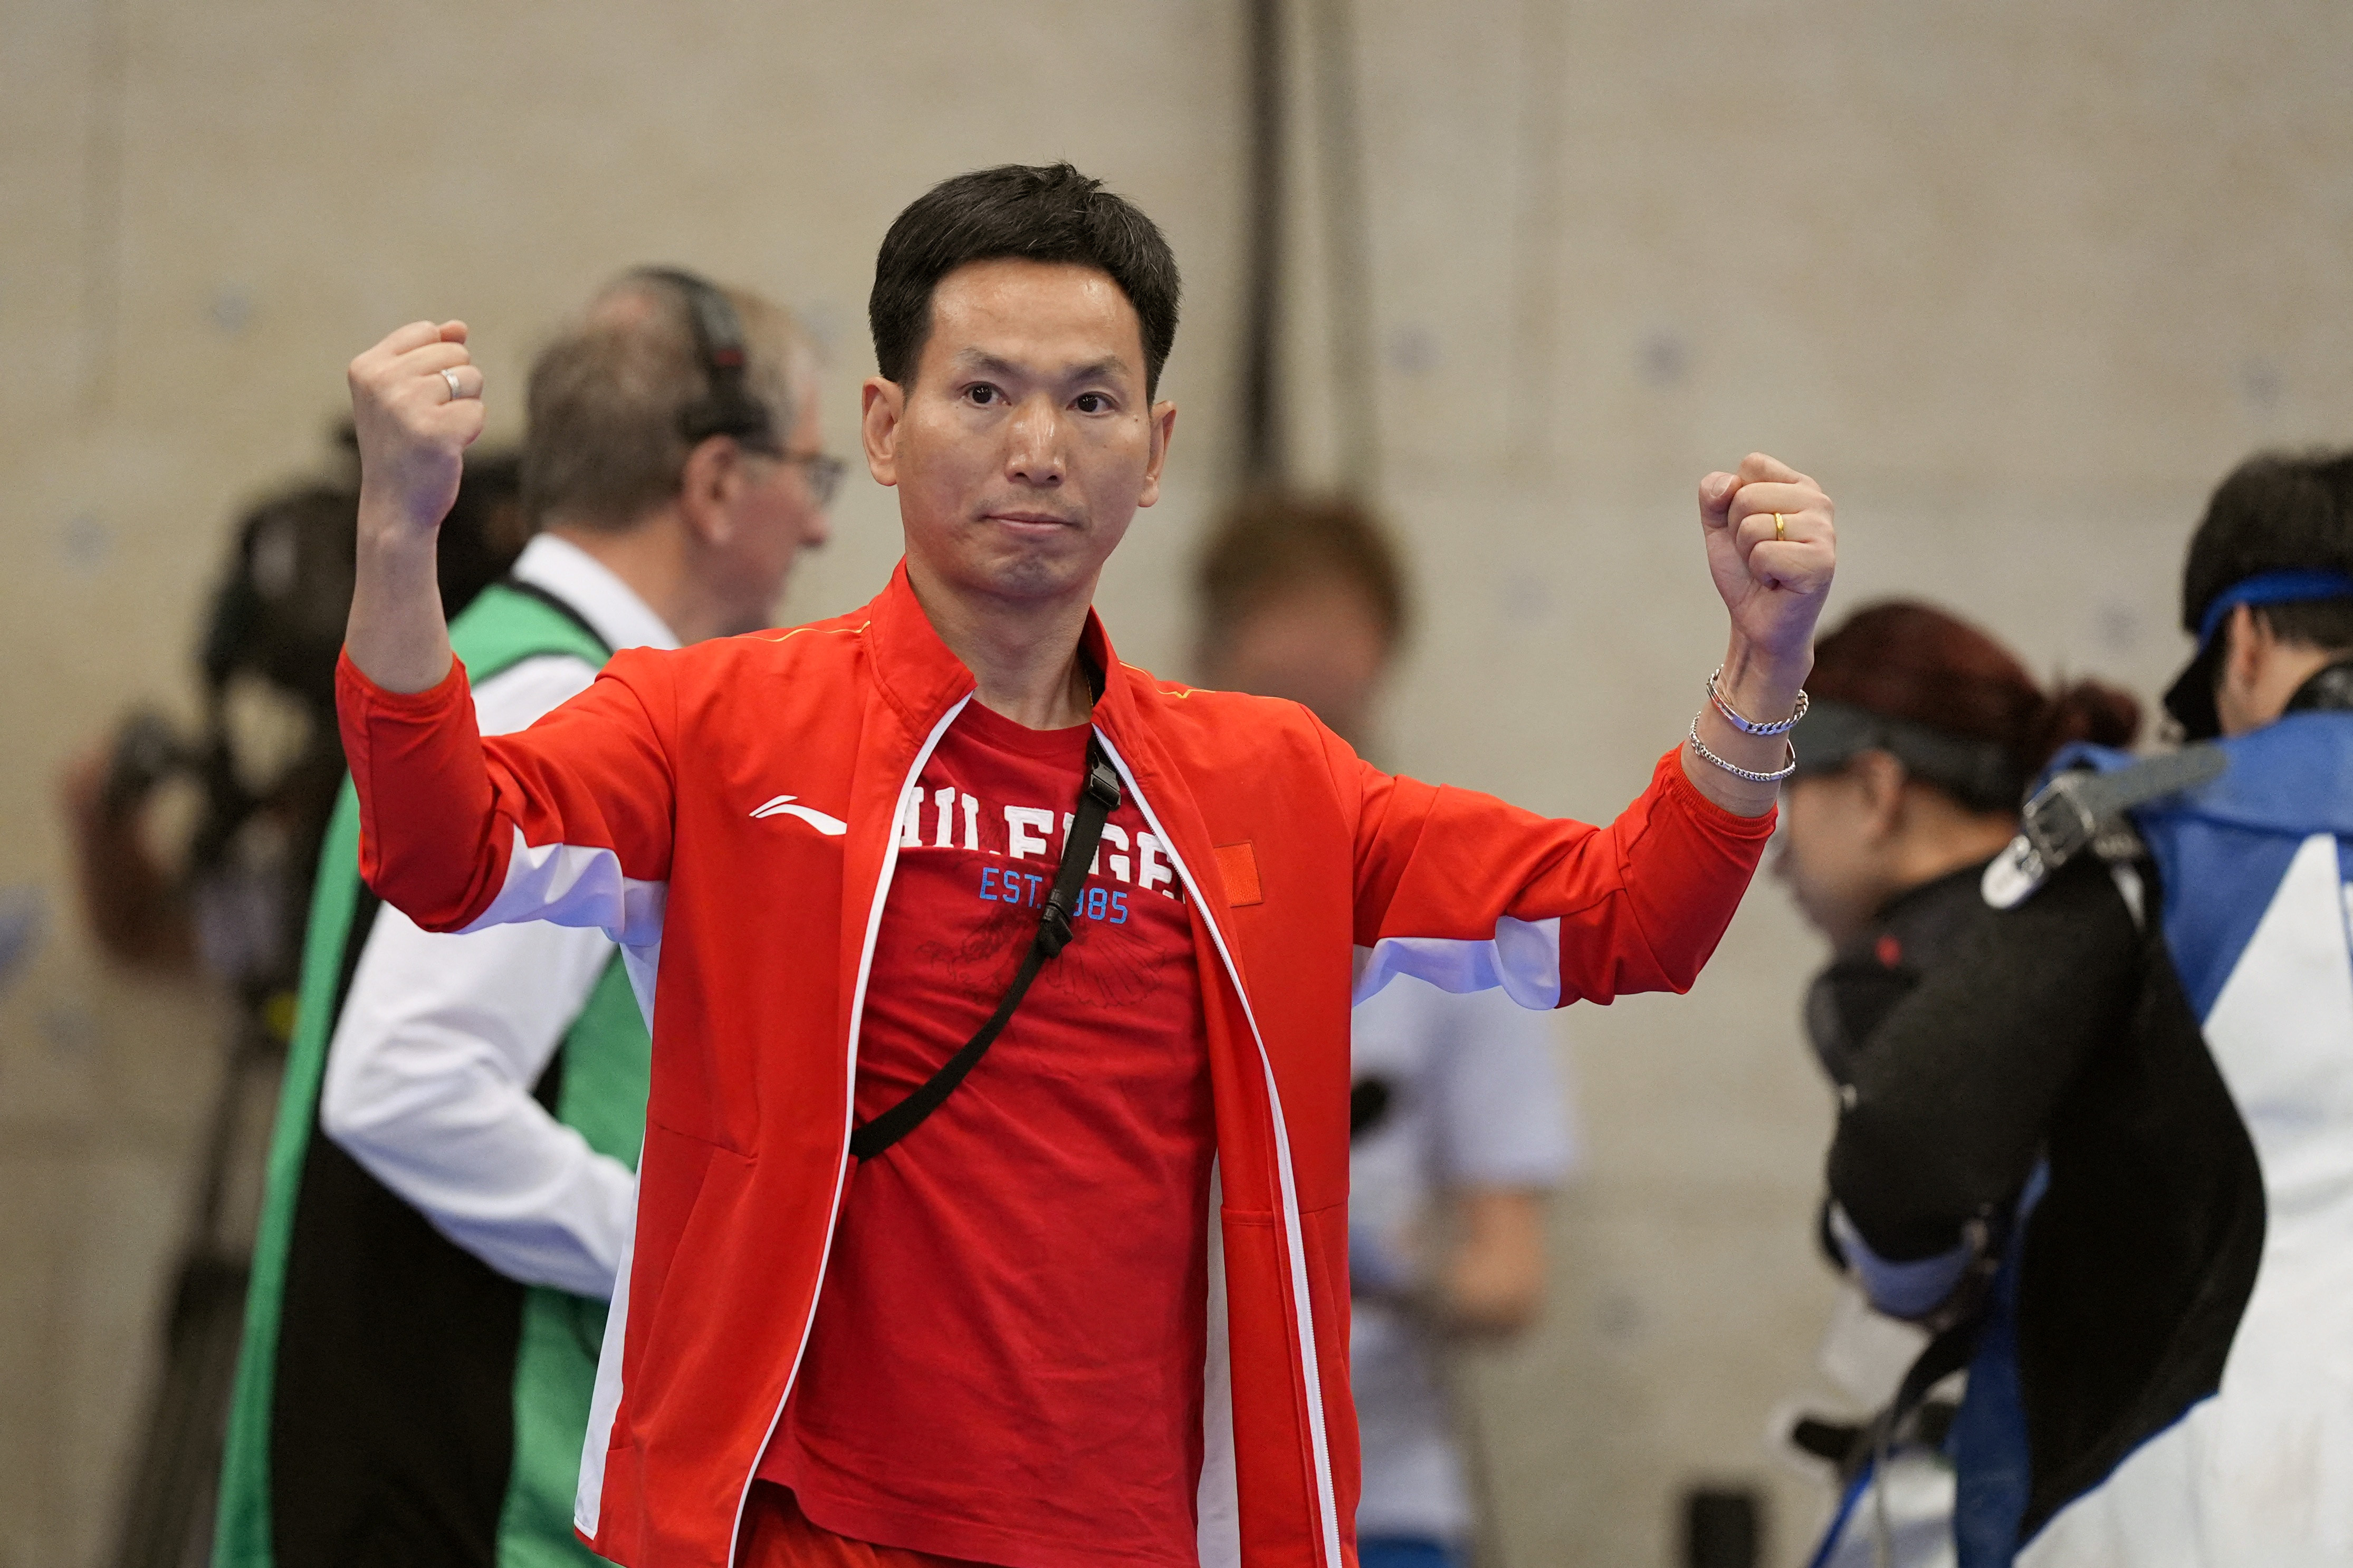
(1780, 529)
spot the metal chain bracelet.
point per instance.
(1749, 727)
(1739, 773)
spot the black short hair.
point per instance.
(1050, 213)
(2277, 511)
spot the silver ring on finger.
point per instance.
(456, 388)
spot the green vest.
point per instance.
(396, 1399)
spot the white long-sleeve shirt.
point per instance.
(429, 1075)
(1477, 1100)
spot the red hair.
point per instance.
(1904, 660)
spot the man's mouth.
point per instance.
(1029, 520)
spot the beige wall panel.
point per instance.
(2061, 241)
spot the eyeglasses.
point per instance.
(824, 470)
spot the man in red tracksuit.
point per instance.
(1094, 1309)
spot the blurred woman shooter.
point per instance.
(2103, 1145)
(1922, 740)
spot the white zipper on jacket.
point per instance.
(848, 1104)
(1328, 1506)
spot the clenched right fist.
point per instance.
(416, 406)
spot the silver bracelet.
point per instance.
(1747, 726)
(1705, 756)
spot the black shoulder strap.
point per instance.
(1954, 1329)
(1097, 800)
(2071, 809)
(560, 606)
(2078, 809)
(1946, 1353)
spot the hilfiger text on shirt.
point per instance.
(948, 818)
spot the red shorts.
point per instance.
(776, 1534)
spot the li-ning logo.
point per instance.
(831, 826)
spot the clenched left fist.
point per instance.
(1772, 548)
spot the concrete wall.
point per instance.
(2018, 282)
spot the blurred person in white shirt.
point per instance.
(1460, 1121)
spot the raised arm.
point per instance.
(1467, 892)
(416, 406)
(1772, 548)
(567, 821)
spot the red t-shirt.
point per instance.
(1005, 1360)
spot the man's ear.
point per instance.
(707, 487)
(2247, 639)
(1164, 430)
(883, 407)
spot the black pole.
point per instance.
(1349, 242)
(1263, 457)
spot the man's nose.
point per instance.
(1035, 451)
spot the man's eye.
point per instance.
(981, 393)
(1092, 403)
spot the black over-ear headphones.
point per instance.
(728, 408)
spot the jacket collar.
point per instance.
(923, 679)
(2329, 690)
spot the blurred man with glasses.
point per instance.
(453, 1176)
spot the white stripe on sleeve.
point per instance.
(1522, 958)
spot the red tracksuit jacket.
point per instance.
(728, 811)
